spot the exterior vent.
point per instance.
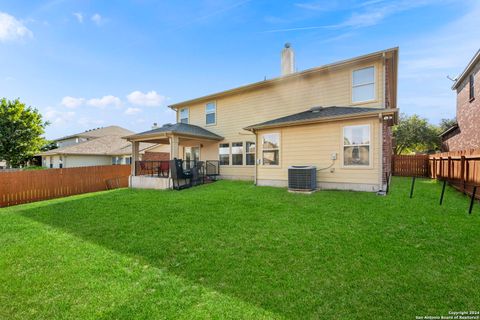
(302, 178)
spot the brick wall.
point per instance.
(156, 156)
(468, 116)
(387, 150)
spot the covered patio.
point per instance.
(187, 165)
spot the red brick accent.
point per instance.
(156, 156)
(467, 136)
(387, 149)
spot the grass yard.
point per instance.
(232, 250)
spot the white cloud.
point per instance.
(57, 117)
(97, 18)
(12, 29)
(150, 99)
(105, 101)
(86, 122)
(71, 102)
(79, 16)
(132, 111)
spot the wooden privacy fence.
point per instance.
(29, 186)
(460, 168)
(410, 165)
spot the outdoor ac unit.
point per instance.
(302, 178)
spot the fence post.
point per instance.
(462, 172)
(449, 168)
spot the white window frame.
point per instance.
(180, 115)
(370, 149)
(210, 112)
(374, 98)
(243, 153)
(229, 154)
(247, 152)
(272, 149)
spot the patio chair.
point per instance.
(178, 174)
(143, 168)
(164, 168)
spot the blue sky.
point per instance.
(87, 64)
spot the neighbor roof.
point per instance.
(99, 132)
(317, 114)
(285, 77)
(107, 145)
(179, 129)
(471, 64)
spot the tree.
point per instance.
(447, 124)
(21, 130)
(415, 134)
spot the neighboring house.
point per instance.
(96, 147)
(337, 117)
(466, 134)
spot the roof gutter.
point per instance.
(325, 119)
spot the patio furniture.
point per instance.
(164, 168)
(178, 174)
(198, 173)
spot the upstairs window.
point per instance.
(224, 154)
(356, 146)
(363, 84)
(210, 113)
(184, 115)
(472, 87)
(250, 154)
(271, 149)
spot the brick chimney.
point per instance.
(288, 60)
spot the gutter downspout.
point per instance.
(384, 87)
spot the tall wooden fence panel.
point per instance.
(410, 165)
(460, 168)
(35, 185)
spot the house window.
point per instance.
(60, 162)
(472, 87)
(210, 113)
(184, 115)
(356, 145)
(128, 160)
(363, 84)
(237, 153)
(271, 149)
(51, 162)
(116, 160)
(224, 154)
(250, 153)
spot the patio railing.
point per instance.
(162, 168)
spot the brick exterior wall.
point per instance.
(387, 144)
(468, 116)
(156, 156)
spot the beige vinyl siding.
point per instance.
(313, 145)
(234, 112)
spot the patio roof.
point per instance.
(177, 129)
(318, 114)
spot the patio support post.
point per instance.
(174, 145)
(135, 156)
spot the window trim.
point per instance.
(279, 150)
(471, 88)
(248, 153)
(352, 86)
(370, 149)
(180, 115)
(214, 112)
(243, 154)
(229, 154)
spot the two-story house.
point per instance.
(466, 134)
(336, 117)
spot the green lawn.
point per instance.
(232, 250)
